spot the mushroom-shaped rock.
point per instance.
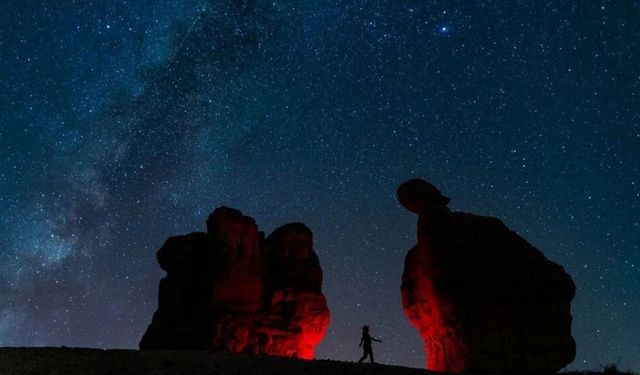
(231, 290)
(482, 298)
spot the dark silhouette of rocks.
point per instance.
(232, 290)
(483, 298)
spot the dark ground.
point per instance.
(59, 361)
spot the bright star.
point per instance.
(444, 30)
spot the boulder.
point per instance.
(482, 297)
(232, 290)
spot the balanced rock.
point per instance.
(232, 290)
(482, 298)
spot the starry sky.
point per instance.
(125, 122)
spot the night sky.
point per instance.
(125, 122)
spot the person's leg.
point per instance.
(371, 356)
(363, 357)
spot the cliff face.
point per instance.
(483, 298)
(232, 290)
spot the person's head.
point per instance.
(365, 329)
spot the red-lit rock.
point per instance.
(482, 298)
(232, 290)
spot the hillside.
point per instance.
(71, 361)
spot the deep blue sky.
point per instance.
(125, 122)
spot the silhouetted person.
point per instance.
(365, 342)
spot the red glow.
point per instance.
(432, 315)
(299, 335)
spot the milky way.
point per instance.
(123, 123)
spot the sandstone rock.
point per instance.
(231, 290)
(483, 298)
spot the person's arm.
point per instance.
(361, 340)
(376, 340)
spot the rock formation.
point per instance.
(483, 298)
(232, 290)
